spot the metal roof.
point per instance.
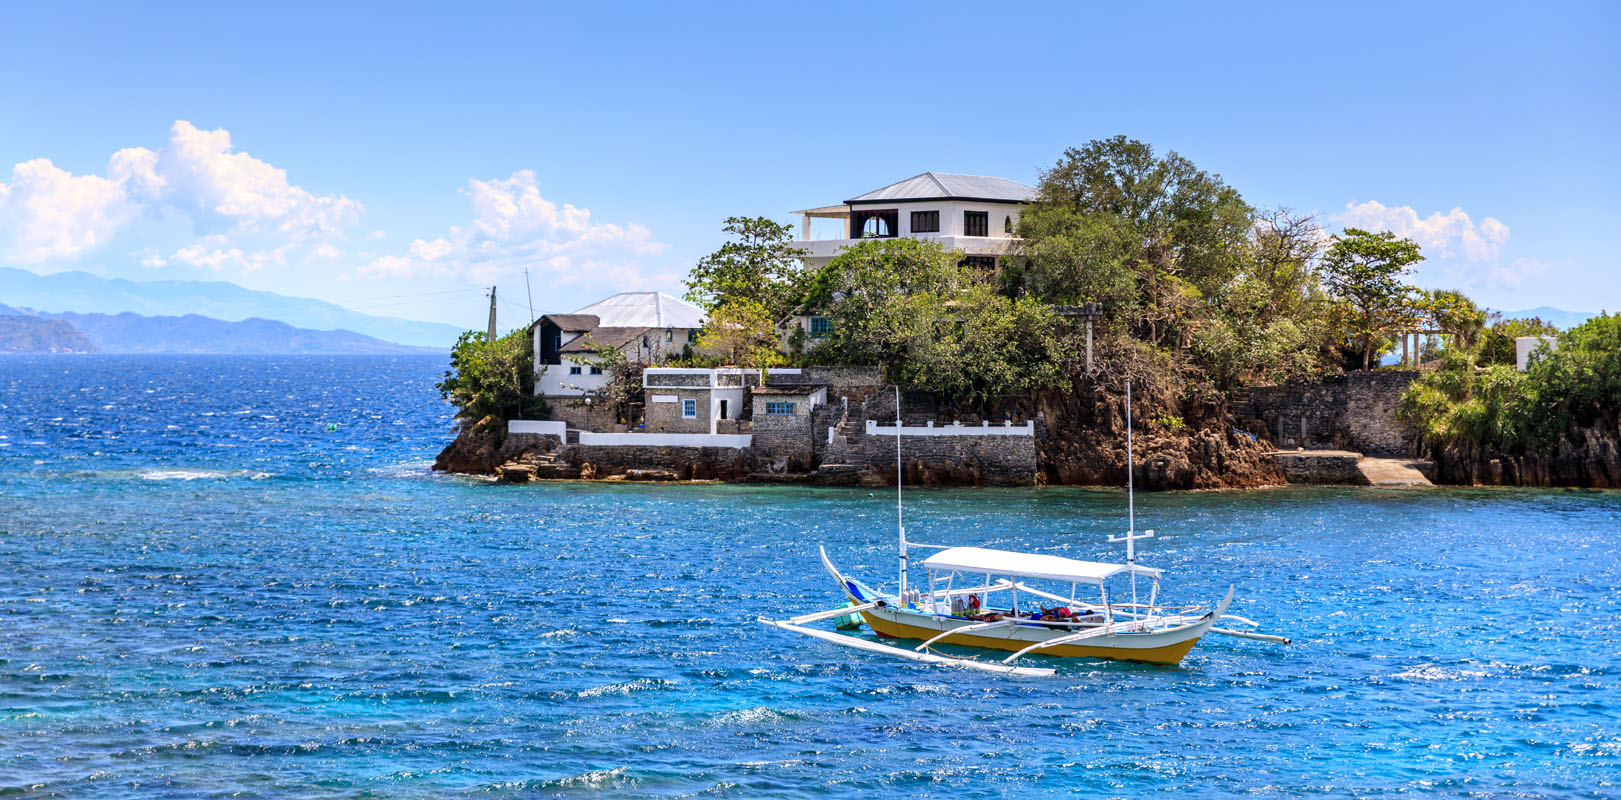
(590, 341)
(1030, 565)
(645, 310)
(947, 186)
(572, 322)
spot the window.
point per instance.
(596, 370)
(689, 409)
(669, 334)
(692, 336)
(976, 223)
(925, 222)
(821, 326)
(779, 409)
(875, 224)
(982, 263)
(573, 370)
(1007, 224)
(723, 408)
(645, 343)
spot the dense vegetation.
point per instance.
(1197, 287)
(492, 379)
(1477, 398)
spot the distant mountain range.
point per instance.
(1558, 317)
(26, 331)
(84, 293)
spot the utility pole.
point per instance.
(492, 314)
(530, 293)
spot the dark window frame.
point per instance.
(925, 221)
(979, 221)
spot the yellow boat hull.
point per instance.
(1171, 653)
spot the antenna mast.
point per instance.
(492, 314)
(900, 515)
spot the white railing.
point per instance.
(954, 429)
(733, 440)
(544, 427)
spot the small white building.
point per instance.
(648, 327)
(1524, 346)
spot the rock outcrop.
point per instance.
(1587, 456)
(1179, 444)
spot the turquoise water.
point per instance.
(206, 592)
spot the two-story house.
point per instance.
(648, 327)
(974, 214)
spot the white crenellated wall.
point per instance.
(735, 440)
(954, 429)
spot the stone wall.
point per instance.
(667, 418)
(688, 463)
(955, 460)
(786, 438)
(1350, 412)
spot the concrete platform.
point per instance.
(1350, 468)
(1395, 472)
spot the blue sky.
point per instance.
(396, 158)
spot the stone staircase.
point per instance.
(844, 452)
(534, 466)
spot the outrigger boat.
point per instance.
(983, 598)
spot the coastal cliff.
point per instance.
(1179, 444)
(1587, 456)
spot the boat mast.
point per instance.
(1131, 536)
(900, 514)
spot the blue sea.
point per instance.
(237, 577)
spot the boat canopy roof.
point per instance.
(1029, 565)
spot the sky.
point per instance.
(397, 158)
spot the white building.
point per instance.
(1524, 346)
(648, 327)
(974, 214)
(971, 213)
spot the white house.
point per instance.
(647, 327)
(974, 214)
(971, 213)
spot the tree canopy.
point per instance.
(758, 264)
(1364, 272)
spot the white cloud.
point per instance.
(1449, 235)
(48, 214)
(513, 227)
(1516, 273)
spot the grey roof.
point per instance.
(645, 310)
(617, 338)
(946, 186)
(572, 322)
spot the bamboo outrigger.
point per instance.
(1048, 623)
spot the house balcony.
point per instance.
(821, 250)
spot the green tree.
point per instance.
(1364, 272)
(622, 393)
(493, 379)
(869, 277)
(759, 264)
(1152, 238)
(741, 333)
